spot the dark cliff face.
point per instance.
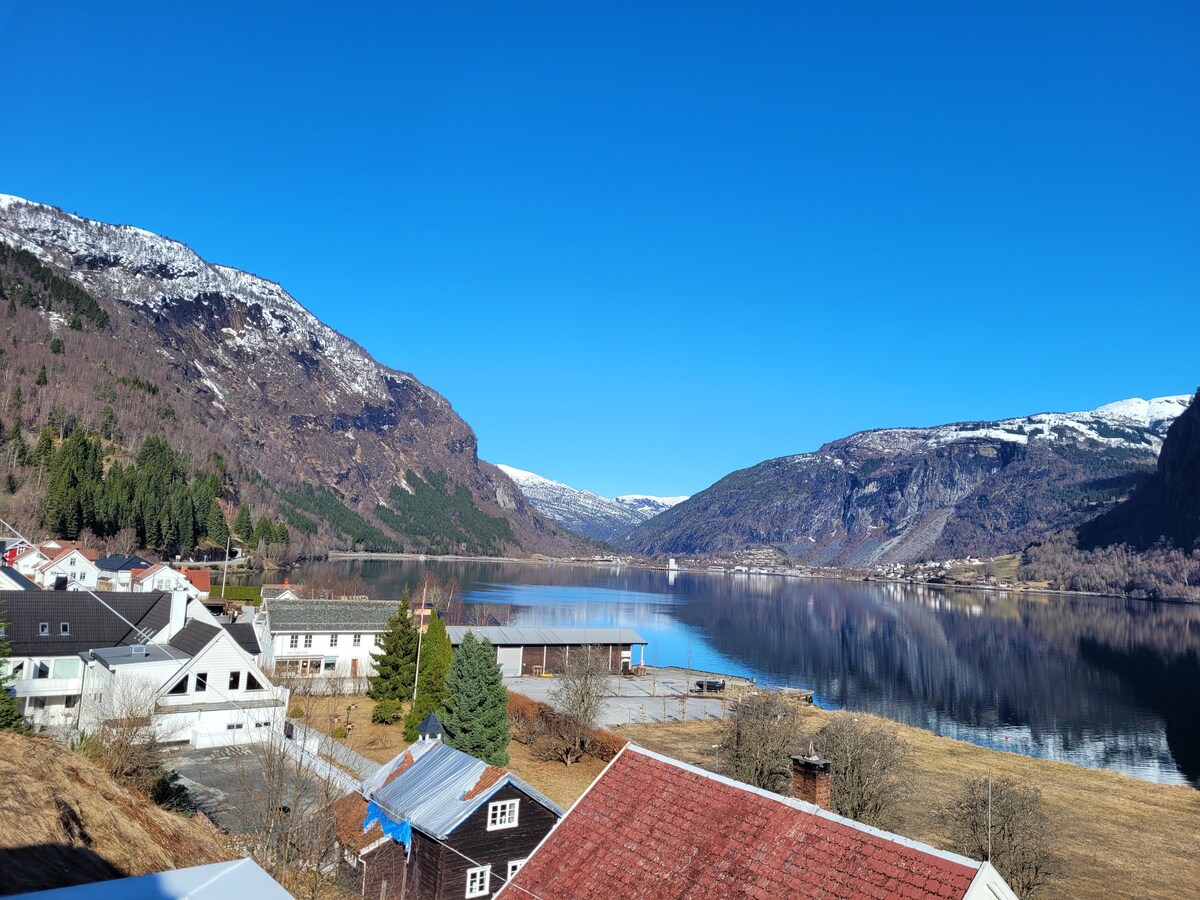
(266, 383)
(904, 496)
(1167, 507)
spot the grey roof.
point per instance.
(508, 636)
(243, 633)
(431, 726)
(218, 881)
(92, 624)
(123, 656)
(194, 637)
(330, 615)
(431, 793)
(22, 583)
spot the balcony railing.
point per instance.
(48, 687)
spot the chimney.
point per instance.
(179, 601)
(812, 779)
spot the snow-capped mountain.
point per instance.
(243, 370)
(602, 518)
(906, 494)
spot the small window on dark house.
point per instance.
(235, 680)
(180, 686)
(64, 627)
(43, 629)
(201, 682)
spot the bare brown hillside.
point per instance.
(63, 821)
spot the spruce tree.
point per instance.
(264, 532)
(436, 655)
(42, 380)
(396, 660)
(242, 526)
(215, 526)
(476, 719)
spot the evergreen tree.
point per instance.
(264, 531)
(477, 703)
(215, 525)
(42, 380)
(44, 450)
(436, 655)
(281, 535)
(18, 451)
(396, 660)
(56, 346)
(10, 709)
(242, 526)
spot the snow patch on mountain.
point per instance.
(586, 513)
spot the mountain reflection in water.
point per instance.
(1095, 681)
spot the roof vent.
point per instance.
(137, 650)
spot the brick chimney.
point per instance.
(811, 779)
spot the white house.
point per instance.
(73, 564)
(12, 580)
(27, 559)
(76, 661)
(161, 577)
(322, 638)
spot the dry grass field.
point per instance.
(1118, 837)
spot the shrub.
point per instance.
(340, 733)
(387, 712)
(538, 725)
(295, 713)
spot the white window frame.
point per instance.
(294, 642)
(514, 866)
(479, 881)
(357, 642)
(503, 814)
(333, 640)
(308, 642)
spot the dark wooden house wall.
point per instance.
(386, 879)
(495, 848)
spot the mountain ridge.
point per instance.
(905, 494)
(246, 369)
(584, 512)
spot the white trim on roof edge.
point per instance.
(988, 884)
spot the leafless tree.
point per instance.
(757, 739)
(1017, 838)
(123, 737)
(577, 695)
(867, 757)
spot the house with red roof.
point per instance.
(436, 823)
(69, 568)
(651, 826)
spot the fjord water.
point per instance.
(1100, 682)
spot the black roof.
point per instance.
(18, 579)
(91, 623)
(243, 633)
(431, 726)
(194, 637)
(118, 562)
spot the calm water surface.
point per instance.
(1098, 682)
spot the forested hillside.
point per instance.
(142, 388)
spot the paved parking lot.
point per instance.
(661, 695)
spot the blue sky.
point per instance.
(641, 245)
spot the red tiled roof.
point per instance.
(490, 776)
(654, 827)
(349, 813)
(201, 579)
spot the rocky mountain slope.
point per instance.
(1167, 507)
(603, 518)
(906, 494)
(221, 361)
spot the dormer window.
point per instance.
(503, 814)
(43, 629)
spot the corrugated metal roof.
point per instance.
(431, 794)
(504, 635)
(330, 615)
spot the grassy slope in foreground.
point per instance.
(1118, 836)
(63, 821)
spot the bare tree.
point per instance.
(867, 783)
(577, 695)
(124, 738)
(757, 739)
(1016, 835)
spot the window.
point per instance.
(307, 641)
(71, 701)
(294, 641)
(43, 629)
(180, 686)
(201, 682)
(379, 640)
(64, 627)
(478, 881)
(514, 866)
(333, 640)
(330, 663)
(234, 727)
(357, 642)
(235, 680)
(252, 682)
(40, 703)
(502, 814)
